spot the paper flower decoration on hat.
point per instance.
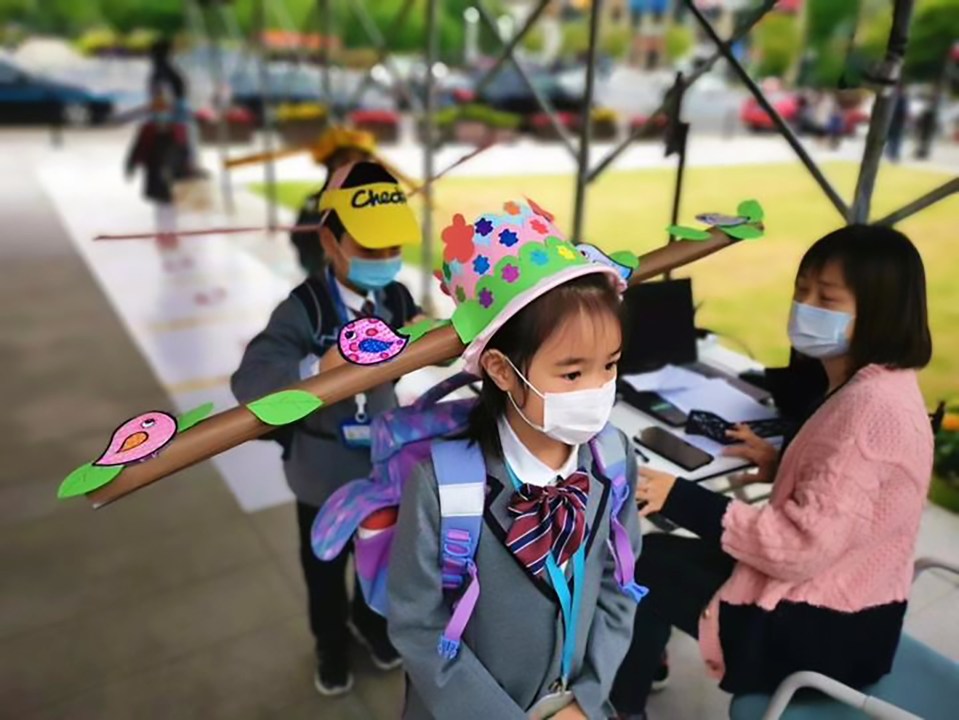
(500, 262)
(745, 225)
(370, 341)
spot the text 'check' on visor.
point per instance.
(376, 215)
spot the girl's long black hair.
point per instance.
(524, 333)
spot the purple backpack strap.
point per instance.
(619, 543)
(443, 388)
(461, 478)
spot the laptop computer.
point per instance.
(660, 330)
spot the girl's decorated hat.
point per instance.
(499, 264)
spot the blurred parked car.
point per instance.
(293, 86)
(28, 98)
(788, 105)
(507, 91)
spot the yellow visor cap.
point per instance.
(376, 215)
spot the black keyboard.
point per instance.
(707, 424)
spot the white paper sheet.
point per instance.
(718, 396)
(669, 377)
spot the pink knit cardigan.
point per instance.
(840, 528)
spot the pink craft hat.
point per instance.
(500, 263)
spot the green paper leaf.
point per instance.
(192, 417)
(751, 209)
(743, 232)
(418, 329)
(627, 258)
(284, 407)
(687, 233)
(87, 478)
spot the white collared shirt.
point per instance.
(352, 299)
(529, 468)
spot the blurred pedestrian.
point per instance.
(836, 123)
(160, 149)
(897, 125)
(165, 78)
(926, 125)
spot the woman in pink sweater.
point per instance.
(818, 578)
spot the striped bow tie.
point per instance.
(546, 519)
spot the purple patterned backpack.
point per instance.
(402, 438)
(364, 511)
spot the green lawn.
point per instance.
(744, 291)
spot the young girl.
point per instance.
(818, 578)
(551, 622)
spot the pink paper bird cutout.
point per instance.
(370, 341)
(138, 438)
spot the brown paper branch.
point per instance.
(228, 429)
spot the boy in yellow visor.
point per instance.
(336, 148)
(366, 220)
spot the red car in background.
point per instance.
(787, 105)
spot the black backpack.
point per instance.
(314, 295)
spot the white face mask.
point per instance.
(571, 417)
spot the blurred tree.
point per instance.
(614, 42)
(575, 38)
(61, 17)
(16, 11)
(826, 18)
(830, 25)
(935, 27)
(778, 43)
(534, 42)
(408, 38)
(163, 16)
(680, 40)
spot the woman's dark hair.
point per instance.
(521, 337)
(885, 273)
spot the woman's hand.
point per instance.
(754, 449)
(652, 489)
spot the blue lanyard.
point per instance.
(570, 606)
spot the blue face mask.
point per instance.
(373, 274)
(817, 332)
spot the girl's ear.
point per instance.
(498, 369)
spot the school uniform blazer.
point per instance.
(513, 644)
(317, 463)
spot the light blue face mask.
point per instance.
(817, 332)
(373, 274)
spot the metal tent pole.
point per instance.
(887, 79)
(586, 125)
(269, 167)
(429, 120)
(948, 188)
(777, 119)
(220, 108)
